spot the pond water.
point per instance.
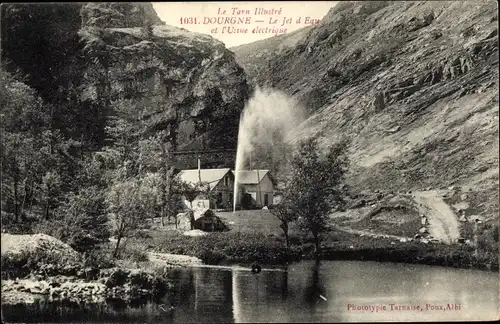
(329, 291)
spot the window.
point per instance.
(226, 181)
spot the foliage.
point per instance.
(316, 186)
(139, 177)
(99, 258)
(37, 169)
(85, 220)
(229, 246)
(285, 213)
(134, 254)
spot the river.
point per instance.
(331, 291)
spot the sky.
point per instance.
(242, 22)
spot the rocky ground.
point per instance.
(400, 214)
(54, 279)
(91, 286)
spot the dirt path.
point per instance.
(189, 261)
(174, 259)
(443, 223)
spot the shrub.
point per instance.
(211, 257)
(99, 258)
(230, 246)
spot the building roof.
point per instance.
(212, 176)
(250, 176)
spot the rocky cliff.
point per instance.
(85, 57)
(413, 85)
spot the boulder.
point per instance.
(40, 251)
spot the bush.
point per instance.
(134, 250)
(230, 246)
(211, 257)
(99, 258)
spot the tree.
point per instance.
(316, 186)
(36, 167)
(82, 220)
(285, 213)
(23, 125)
(175, 203)
(127, 209)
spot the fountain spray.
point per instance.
(269, 117)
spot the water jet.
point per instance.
(267, 124)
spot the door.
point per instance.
(266, 200)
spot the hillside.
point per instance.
(412, 85)
(253, 57)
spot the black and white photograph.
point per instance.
(249, 162)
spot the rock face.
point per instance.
(412, 85)
(117, 14)
(185, 83)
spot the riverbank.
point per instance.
(40, 267)
(94, 286)
(132, 281)
(239, 247)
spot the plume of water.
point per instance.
(268, 119)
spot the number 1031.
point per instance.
(188, 20)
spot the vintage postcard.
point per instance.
(242, 162)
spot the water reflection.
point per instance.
(306, 292)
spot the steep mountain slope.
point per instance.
(253, 57)
(84, 57)
(412, 85)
